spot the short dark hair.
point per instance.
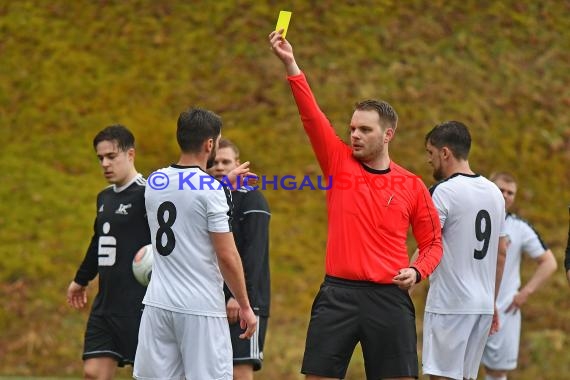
(116, 132)
(226, 143)
(452, 134)
(195, 126)
(387, 114)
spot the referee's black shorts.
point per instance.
(112, 336)
(380, 317)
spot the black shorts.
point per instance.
(380, 317)
(112, 337)
(249, 351)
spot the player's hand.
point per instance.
(248, 321)
(518, 300)
(281, 47)
(242, 176)
(76, 295)
(495, 325)
(232, 310)
(405, 278)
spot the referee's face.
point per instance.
(224, 162)
(367, 137)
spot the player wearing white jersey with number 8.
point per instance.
(460, 308)
(184, 330)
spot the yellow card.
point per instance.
(283, 21)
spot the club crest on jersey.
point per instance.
(123, 209)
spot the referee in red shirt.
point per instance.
(371, 205)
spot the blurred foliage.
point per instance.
(70, 68)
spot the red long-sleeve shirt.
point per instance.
(369, 211)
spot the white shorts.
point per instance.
(182, 346)
(453, 344)
(502, 349)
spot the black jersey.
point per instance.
(120, 230)
(250, 226)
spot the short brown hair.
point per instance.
(225, 143)
(195, 126)
(451, 134)
(505, 176)
(117, 133)
(386, 112)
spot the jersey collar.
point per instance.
(118, 189)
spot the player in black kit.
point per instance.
(120, 230)
(250, 226)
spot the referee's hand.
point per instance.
(405, 278)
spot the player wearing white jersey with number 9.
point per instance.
(460, 308)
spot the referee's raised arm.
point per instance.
(284, 51)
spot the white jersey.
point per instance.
(522, 238)
(182, 209)
(472, 214)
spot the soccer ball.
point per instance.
(142, 264)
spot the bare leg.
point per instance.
(243, 372)
(99, 368)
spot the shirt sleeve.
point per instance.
(219, 210)
(426, 228)
(254, 237)
(90, 265)
(321, 133)
(503, 231)
(441, 205)
(532, 244)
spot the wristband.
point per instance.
(418, 275)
